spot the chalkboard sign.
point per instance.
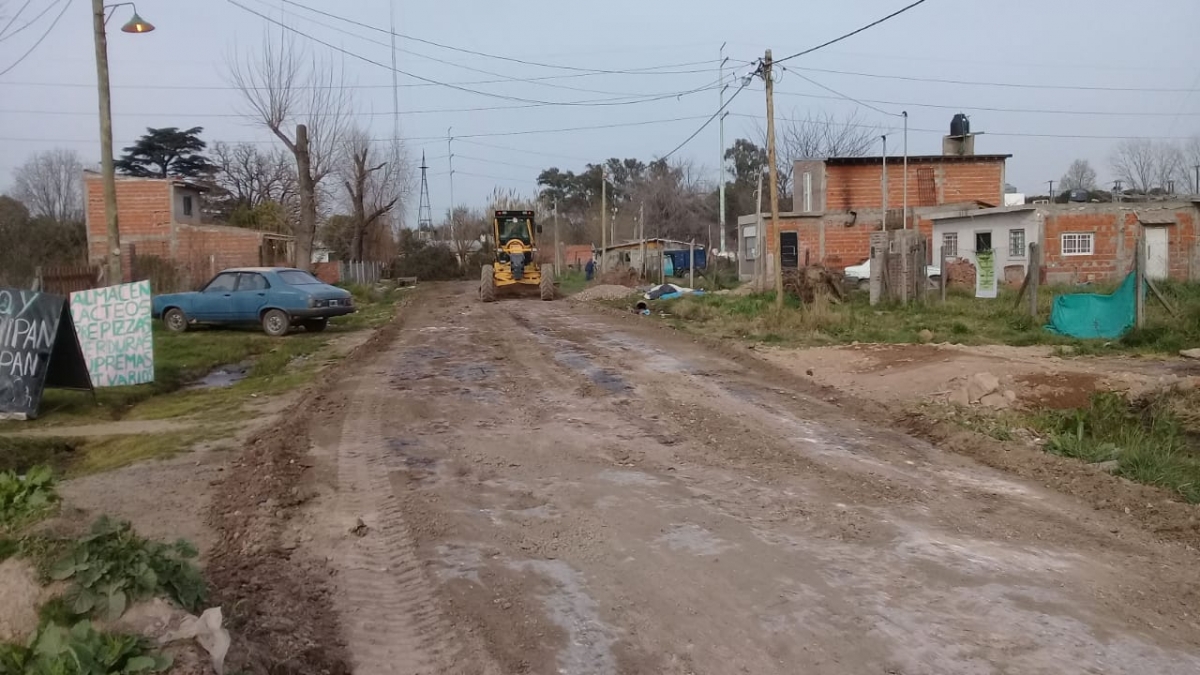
(113, 325)
(38, 349)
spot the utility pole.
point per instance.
(450, 149)
(721, 156)
(642, 234)
(1051, 190)
(107, 169)
(774, 177)
(603, 220)
(885, 185)
(558, 263)
(905, 114)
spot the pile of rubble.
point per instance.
(604, 292)
(983, 389)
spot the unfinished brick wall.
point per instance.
(859, 186)
(143, 210)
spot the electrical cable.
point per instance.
(745, 83)
(845, 96)
(1001, 133)
(446, 84)
(65, 5)
(1014, 85)
(850, 34)
(594, 71)
(527, 152)
(506, 78)
(15, 17)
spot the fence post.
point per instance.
(1139, 269)
(1035, 277)
(944, 281)
(692, 264)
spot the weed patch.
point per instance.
(81, 650)
(24, 498)
(113, 566)
(1151, 440)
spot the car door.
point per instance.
(250, 296)
(215, 302)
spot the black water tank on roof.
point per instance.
(960, 125)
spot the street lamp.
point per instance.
(107, 171)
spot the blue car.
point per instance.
(277, 298)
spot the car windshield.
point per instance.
(514, 228)
(297, 278)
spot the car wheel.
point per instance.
(316, 325)
(175, 320)
(276, 323)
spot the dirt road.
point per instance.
(545, 488)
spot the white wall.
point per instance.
(1000, 225)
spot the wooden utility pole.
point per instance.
(773, 242)
(603, 221)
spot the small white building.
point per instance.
(1008, 231)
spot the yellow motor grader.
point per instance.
(515, 266)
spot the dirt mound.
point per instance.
(1058, 391)
(604, 292)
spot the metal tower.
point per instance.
(424, 211)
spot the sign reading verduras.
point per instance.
(114, 332)
(985, 274)
(38, 349)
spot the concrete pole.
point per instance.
(603, 220)
(108, 172)
(885, 184)
(450, 150)
(905, 113)
(721, 155)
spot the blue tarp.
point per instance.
(1093, 315)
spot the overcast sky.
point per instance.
(176, 76)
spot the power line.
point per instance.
(417, 139)
(480, 175)
(495, 161)
(997, 133)
(528, 152)
(449, 85)
(594, 71)
(852, 33)
(1040, 111)
(840, 94)
(65, 5)
(1014, 85)
(505, 78)
(15, 17)
(745, 83)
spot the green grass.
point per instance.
(1154, 441)
(961, 319)
(571, 282)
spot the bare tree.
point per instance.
(252, 176)
(1080, 176)
(303, 101)
(50, 184)
(674, 201)
(377, 179)
(1191, 160)
(1145, 165)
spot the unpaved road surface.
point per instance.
(544, 488)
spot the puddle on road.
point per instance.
(223, 376)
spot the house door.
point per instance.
(1157, 252)
(789, 250)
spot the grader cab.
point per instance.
(515, 266)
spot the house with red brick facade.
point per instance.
(1080, 242)
(839, 201)
(163, 219)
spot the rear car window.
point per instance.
(252, 282)
(297, 278)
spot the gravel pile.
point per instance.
(604, 292)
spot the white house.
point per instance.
(1008, 231)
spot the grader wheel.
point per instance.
(546, 286)
(487, 284)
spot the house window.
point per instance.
(808, 196)
(1016, 243)
(187, 206)
(950, 245)
(1078, 243)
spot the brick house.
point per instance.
(839, 202)
(1081, 242)
(163, 219)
